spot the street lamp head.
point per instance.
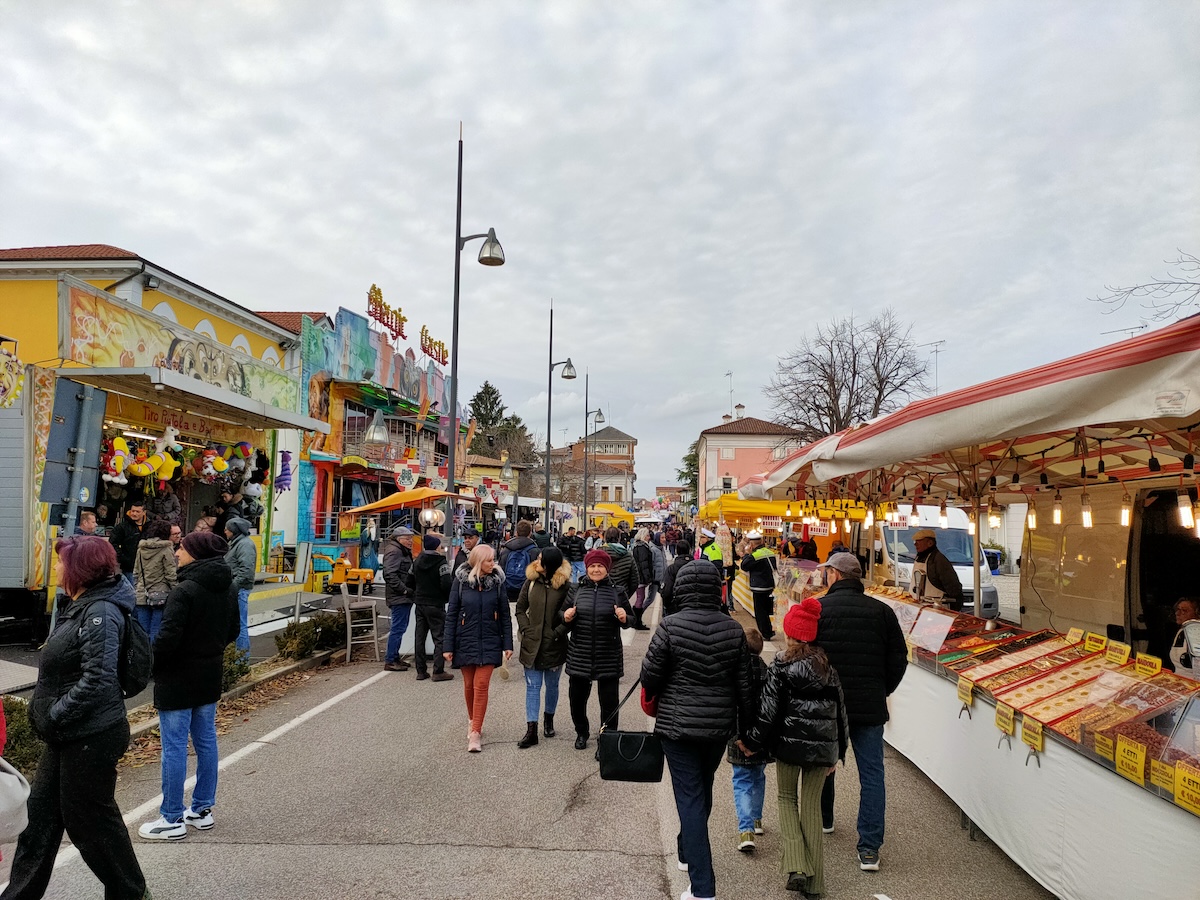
(568, 371)
(491, 253)
(599, 417)
(377, 433)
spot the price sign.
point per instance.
(1094, 643)
(1075, 635)
(1162, 775)
(1005, 720)
(1105, 747)
(908, 649)
(1187, 787)
(1117, 653)
(1148, 665)
(966, 691)
(1031, 734)
(1131, 760)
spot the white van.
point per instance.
(894, 555)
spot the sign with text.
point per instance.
(1148, 665)
(1031, 734)
(1131, 760)
(1005, 720)
(1075, 635)
(1162, 775)
(1117, 653)
(1105, 748)
(1094, 643)
(1187, 787)
(391, 319)
(966, 691)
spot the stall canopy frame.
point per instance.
(408, 499)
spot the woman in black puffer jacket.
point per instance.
(803, 723)
(698, 669)
(594, 619)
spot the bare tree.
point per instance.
(1164, 297)
(846, 374)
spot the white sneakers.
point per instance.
(162, 830)
(202, 821)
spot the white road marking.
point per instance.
(70, 854)
(881, 897)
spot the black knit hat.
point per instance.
(204, 545)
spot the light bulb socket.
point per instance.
(1155, 465)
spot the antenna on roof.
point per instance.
(729, 375)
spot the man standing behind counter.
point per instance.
(934, 578)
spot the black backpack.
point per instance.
(136, 661)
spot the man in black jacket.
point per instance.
(573, 550)
(126, 535)
(429, 581)
(397, 562)
(864, 643)
(683, 556)
(624, 572)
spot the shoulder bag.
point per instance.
(629, 755)
(14, 792)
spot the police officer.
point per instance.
(758, 562)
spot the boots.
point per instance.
(530, 738)
(637, 620)
(548, 724)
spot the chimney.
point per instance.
(740, 410)
(726, 419)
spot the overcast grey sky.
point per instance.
(696, 185)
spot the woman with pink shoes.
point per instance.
(478, 634)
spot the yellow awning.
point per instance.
(403, 499)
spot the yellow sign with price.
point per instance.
(1162, 775)
(1075, 635)
(1148, 665)
(1105, 747)
(1094, 643)
(1117, 653)
(1187, 787)
(1131, 760)
(966, 691)
(1031, 734)
(1005, 720)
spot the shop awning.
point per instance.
(405, 499)
(166, 387)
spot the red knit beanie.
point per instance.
(598, 557)
(800, 623)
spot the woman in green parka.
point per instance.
(543, 635)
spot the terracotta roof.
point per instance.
(68, 251)
(595, 467)
(474, 459)
(289, 321)
(750, 425)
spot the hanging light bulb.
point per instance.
(833, 526)
(1031, 516)
(1186, 518)
(1056, 510)
(1126, 510)
(869, 521)
(788, 512)
(846, 526)
(971, 521)
(1016, 479)
(993, 513)
(943, 517)
(1085, 505)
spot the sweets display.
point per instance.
(1051, 683)
(1011, 660)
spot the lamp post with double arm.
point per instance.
(568, 373)
(587, 415)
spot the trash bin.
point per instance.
(993, 560)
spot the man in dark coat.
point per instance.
(624, 573)
(527, 550)
(126, 535)
(683, 556)
(470, 542)
(865, 645)
(397, 562)
(429, 582)
(698, 670)
(573, 548)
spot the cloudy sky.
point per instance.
(697, 185)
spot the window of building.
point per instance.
(779, 452)
(727, 484)
(604, 493)
(617, 491)
(726, 453)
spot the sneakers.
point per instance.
(162, 830)
(442, 676)
(827, 829)
(758, 829)
(688, 895)
(746, 841)
(474, 741)
(681, 865)
(868, 860)
(202, 820)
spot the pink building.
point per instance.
(730, 453)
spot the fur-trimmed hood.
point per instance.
(493, 579)
(561, 577)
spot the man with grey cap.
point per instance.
(934, 578)
(865, 645)
(397, 563)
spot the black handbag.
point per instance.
(629, 755)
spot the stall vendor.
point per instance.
(1184, 656)
(934, 579)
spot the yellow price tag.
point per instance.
(1075, 635)
(908, 650)
(1162, 775)
(1148, 665)
(966, 691)
(1117, 653)
(1105, 747)
(1031, 733)
(1131, 760)
(1187, 787)
(1094, 643)
(1005, 720)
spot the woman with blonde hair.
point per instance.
(478, 633)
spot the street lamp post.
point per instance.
(568, 373)
(587, 414)
(490, 254)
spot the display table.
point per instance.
(1082, 832)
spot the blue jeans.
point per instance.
(749, 787)
(534, 679)
(693, 766)
(400, 615)
(150, 618)
(867, 741)
(243, 638)
(578, 570)
(174, 725)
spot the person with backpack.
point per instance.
(78, 709)
(515, 557)
(200, 619)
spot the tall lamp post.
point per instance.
(568, 373)
(587, 415)
(490, 254)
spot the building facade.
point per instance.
(731, 452)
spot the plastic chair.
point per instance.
(362, 623)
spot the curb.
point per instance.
(300, 665)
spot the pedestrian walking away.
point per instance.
(78, 709)
(429, 582)
(697, 668)
(683, 556)
(543, 637)
(242, 558)
(397, 563)
(478, 634)
(802, 722)
(594, 618)
(201, 619)
(645, 561)
(864, 644)
(750, 772)
(154, 571)
(515, 556)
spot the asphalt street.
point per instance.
(357, 785)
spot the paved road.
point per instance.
(357, 785)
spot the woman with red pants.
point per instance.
(478, 635)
